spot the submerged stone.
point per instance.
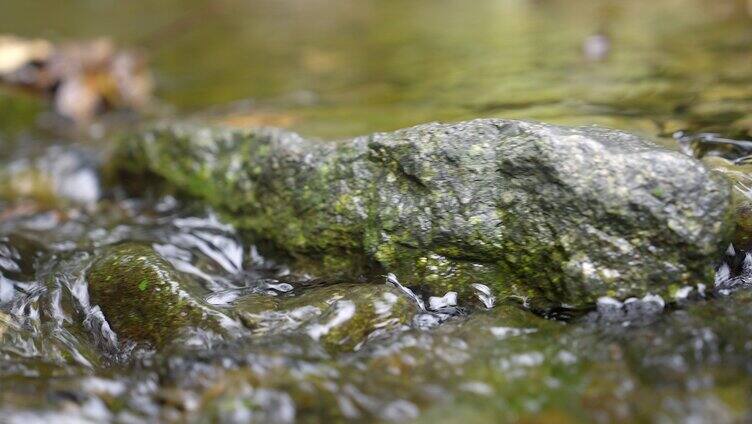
(361, 314)
(143, 298)
(529, 209)
(342, 317)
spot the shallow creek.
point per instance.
(294, 347)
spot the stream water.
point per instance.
(297, 348)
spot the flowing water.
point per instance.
(294, 347)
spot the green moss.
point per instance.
(141, 295)
(19, 111)
(487, 201)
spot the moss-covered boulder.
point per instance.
(564, 214)
(143, 298)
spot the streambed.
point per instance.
(310, 350)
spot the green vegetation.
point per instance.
(141, 295)
(533, 210)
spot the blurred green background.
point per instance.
(337, 67)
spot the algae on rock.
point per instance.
(142, 296)
(563, 214)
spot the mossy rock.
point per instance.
(142, 297)
(534, 210)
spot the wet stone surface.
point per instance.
(273, 345)
(558, 214)
(285, 346)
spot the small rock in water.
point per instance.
(353, 315)
(649, 305)
(608, 306)
(683, 293)
(632, 309)
(343, 311)
(144, 299)
(426, 321)
(437, 303)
